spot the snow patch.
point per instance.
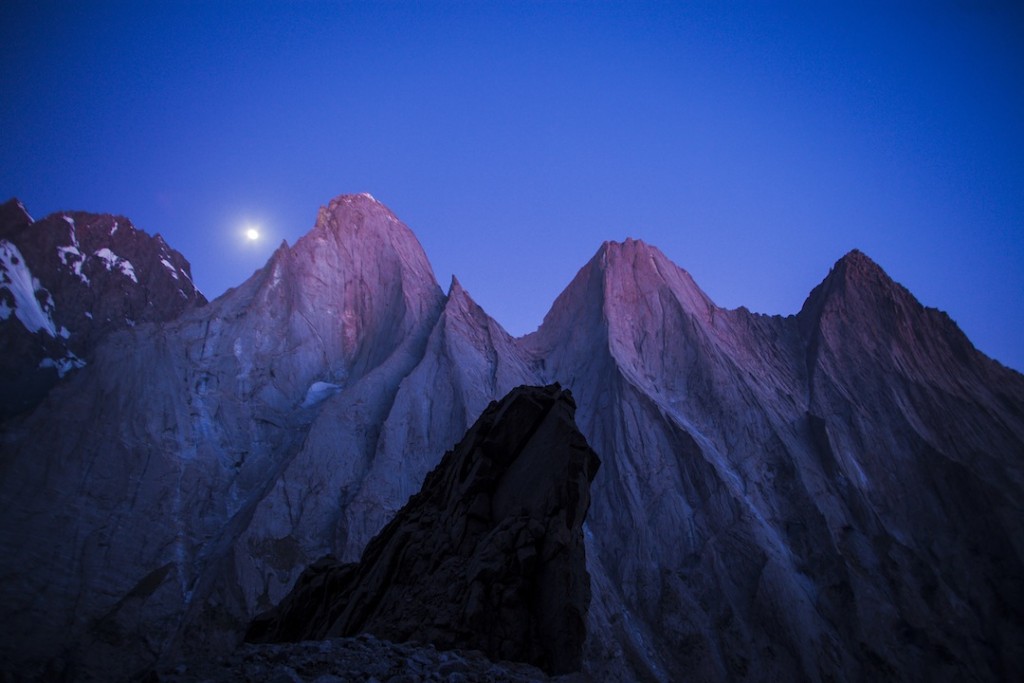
(112, 260)
(5, 310)
(170, 267)
(16, 278)
(319, 391)
(113, 229)
(63, 365)
(109, 257)
(128, 270)
(71, 256)
(368, 196)
(25, 211)
(194, 288)
(88, 315)
(74, 259)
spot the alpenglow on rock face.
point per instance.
(487, 556)
(832, 495)
(69, 280)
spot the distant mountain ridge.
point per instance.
(69, 280)
(830, 495)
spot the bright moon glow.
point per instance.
(252, 234)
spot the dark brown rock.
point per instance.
(488, 555)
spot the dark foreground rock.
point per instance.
(487, 556)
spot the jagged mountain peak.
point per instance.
(459, 299)
(350, 294)
(855, 285)
(630, 254)
(463, 316)
(355, 202)
(455, 288)
(626, 287)
(354, 213)
(854, 256)
(358, 260)
(633, 270)
(13, 216)
(628, 243)
(367, 237)
(858, 269)
(859, 311)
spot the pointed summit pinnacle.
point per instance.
(856, 264)
(855, 274)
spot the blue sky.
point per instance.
(754, 143)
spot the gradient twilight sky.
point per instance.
(753, 143)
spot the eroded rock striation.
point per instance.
(488, 556)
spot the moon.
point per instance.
(252, 234)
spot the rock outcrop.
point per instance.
(487, 556)
(832, 495)
(69, 280)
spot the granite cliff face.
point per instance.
(831, 495)
(791, 498)
(487, 556)
(69, 280)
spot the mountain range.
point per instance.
(831, 495)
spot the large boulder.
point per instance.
(488, 556)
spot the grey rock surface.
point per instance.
(833, 495)
(487, 556)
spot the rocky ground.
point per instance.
(363, 659)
